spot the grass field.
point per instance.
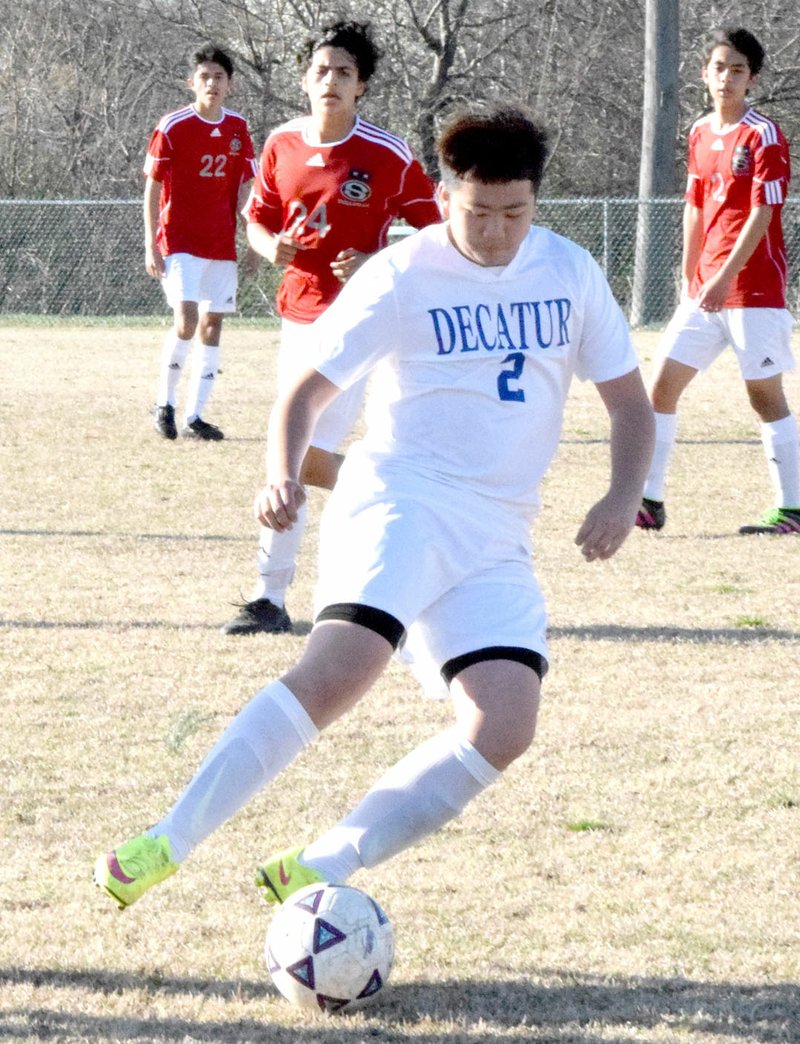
(634, 878)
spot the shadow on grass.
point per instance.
(586, 633)
(600, 440)
(676, 635)
(299, 627)
(573, 1009)
(214, 538)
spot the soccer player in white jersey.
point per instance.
(199, 164)
(473, 330)
(734, 278)
(329, 186)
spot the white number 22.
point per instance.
(213, 166)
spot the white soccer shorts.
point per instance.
(760, 337)
(212, 284)
(456, 567)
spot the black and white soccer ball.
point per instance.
(330, 947)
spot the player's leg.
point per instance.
(495, 691)
(341, 661)
(182, 298)
(187, 316)
(691, 341)
(217, 296)
(670, 382)
(264, 611)
(205, 365)
(779, 437)
(320, 468)
(761, 338)
(278, 552)
(496, 702)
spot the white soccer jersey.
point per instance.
(471, 366)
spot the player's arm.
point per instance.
(714, 291)
(609, 521)
(153, 261)
(692, 245)
(419, 205)
(252, 257)
(291, 425)
(347, 262)
(277, 247)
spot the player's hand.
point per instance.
(154, 262)
(606, 526)
(347, 262)
(277, 504)
(713, 294)
(282, 249)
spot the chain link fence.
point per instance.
(68, 258)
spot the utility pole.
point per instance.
(653, 281)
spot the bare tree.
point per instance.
(82, 85)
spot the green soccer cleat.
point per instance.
(284, 874)
(778, 522)
(128, 871)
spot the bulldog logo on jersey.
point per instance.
(357, 188)
(742, 160)
(235, 145)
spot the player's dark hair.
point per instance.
(354, 37)
(498, 144)
(741, 40)
(212, 53)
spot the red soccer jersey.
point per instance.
(729, 175)
(201, 167)
(331, 197)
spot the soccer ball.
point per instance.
(330, 947)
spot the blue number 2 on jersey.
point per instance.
(517, 360)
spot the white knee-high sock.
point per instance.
(173, 356)
(422, 792)
(781, 448)
(277, 555)
(264, 737)
(205, 363)
(666, 433)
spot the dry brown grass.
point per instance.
(633, 878)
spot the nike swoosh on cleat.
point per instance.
(285, 879)
(116, 870)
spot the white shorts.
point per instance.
(760, 337)
(212, 284)
(296, 354)
(460, 570)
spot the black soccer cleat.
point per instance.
(259, 616)
(164, 421)
(651, 514)
(200, 429)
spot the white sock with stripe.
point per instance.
(264, 737)
(781, 448)
(415, 798)
(205, 363)
(173, 357)
(277, 556)
(666, 434)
